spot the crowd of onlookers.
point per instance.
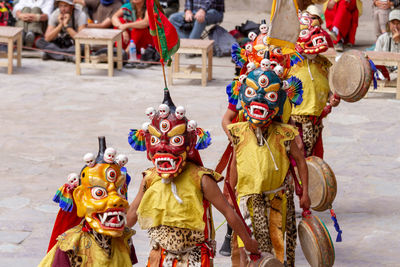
(51, 25)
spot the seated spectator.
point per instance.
(170, 6)
(32, 15)
(100, 11)
(132, 19)
(342, 20)
(64, 23)
(390, 41)
(198, 14)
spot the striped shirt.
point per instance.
(205, 4)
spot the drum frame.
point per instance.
(365, 80)
(322, 244)
(329, 183)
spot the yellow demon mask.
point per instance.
(101, 195)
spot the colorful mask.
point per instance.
(262, 96)
(170, 139)
(312, 39)
(101, 195)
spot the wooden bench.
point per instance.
(107, 37)
(9, 35)
(193, 46)
(379, 58)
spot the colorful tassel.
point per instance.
(295, 90)
(203, 140)
(232, 90)
(238, 55)
(296, 58)
(374, 71)
(64, 198)
(137, 140)
(337, 227)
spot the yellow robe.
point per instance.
(315, 86)
(160, 207)
(84, 245)
(255, 166)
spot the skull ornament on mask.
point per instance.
(121, 160)
(180, 112)
(109, 155)
(73, 180)
(89, 159)
(100, 197)
(261, 97)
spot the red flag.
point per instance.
(164, 34)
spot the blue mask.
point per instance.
(261, 97)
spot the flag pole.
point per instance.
(161, 56)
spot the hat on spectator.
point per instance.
(313, 10)
(69, 2)
(394, 14)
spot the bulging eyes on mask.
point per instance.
(101, 198)
(261, 97)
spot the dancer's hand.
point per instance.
(305, 201)
(334, 100)
(252, 246)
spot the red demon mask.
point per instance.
(312, 39)
(170, 139)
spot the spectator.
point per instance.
(132, 19)
(170, 6)
(32, 15)
(100, 11)
(342, 20)
(390, 41)
(198, 14)
(64, 23)
(381, 15)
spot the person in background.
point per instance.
(390, 41)
(100, 11)
(198, 14)
(342, 20)
(170, 6)
(381, 15)
(32, 15)
(132, 19)
(64, 23)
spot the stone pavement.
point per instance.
(50, 118)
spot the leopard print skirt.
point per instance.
(311, 131)
(179, 245)
(266, 221)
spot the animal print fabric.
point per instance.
(174, 238)
(311, 132)
(291, 230)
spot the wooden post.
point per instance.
(110, 59)
(10, 55)
(78, 57)
(119, 51)
(19, 49)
